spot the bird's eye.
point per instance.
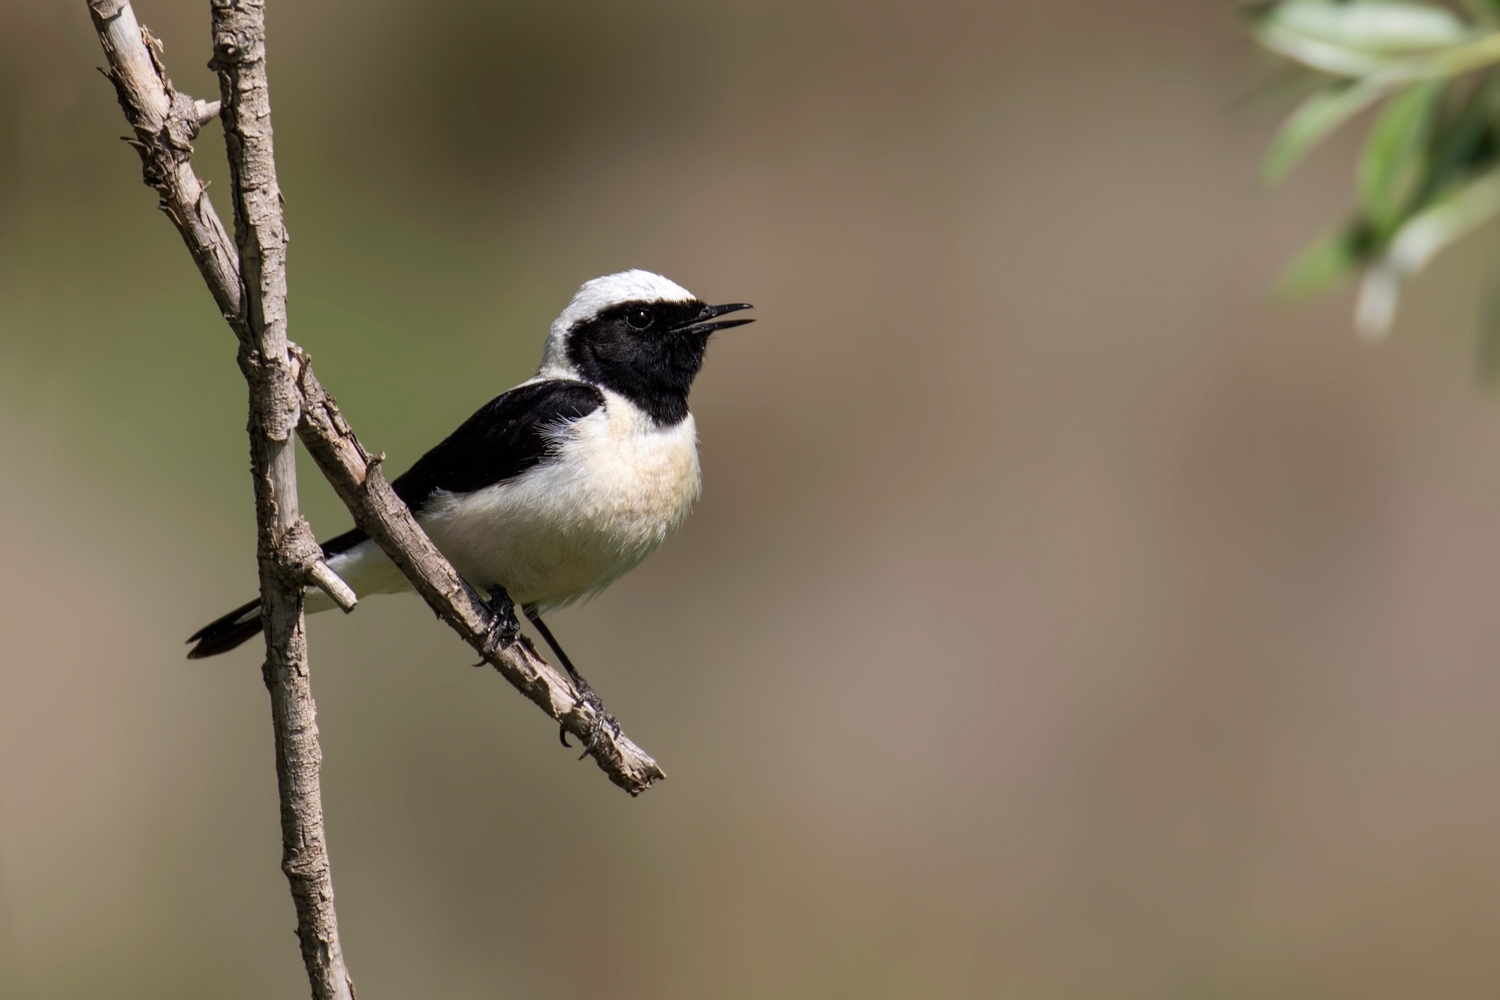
(638, 319)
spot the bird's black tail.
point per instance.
(223, 634)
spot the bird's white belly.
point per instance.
(569, 527)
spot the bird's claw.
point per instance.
(601, 719)
(504, 628)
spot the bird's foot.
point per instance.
(602, 718)
(504, 627)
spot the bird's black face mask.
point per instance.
(649, 352)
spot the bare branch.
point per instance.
(329, 583)
(284, 540)
(357, 479)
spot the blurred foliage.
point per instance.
(1429, 172)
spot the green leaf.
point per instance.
(1315, 118)
(1320, 55)
(1458, 146)
(1450, 62)
(1392, 164)
(1368, 27)
(1375, 305)
(1322, 262)
(1414, 245)
(1453, 217)
(1484, 11)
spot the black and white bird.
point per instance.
(558, 487)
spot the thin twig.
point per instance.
(239, 33)
(329, 583)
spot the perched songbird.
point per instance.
(555, 489)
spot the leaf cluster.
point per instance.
(1429, 170)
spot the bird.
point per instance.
(556, 488)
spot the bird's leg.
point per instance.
(504, 626)
(586, 694)
(541, 626)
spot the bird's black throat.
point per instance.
(642, 351)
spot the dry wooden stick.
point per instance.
(283, 537)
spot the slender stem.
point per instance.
(329, 583)
(239, 33)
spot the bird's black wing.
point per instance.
(499, 442)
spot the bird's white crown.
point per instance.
(599, 295)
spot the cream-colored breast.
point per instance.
(569, 527)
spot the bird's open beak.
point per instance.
(700, 325)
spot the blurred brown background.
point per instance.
(1063, 617)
